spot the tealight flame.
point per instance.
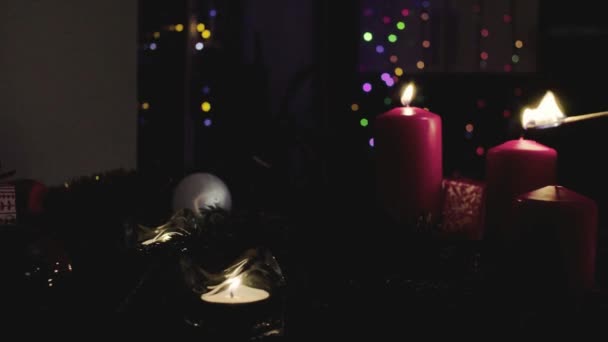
(234, 284)
(407, 95)
(547, 114)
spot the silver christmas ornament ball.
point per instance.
(199, 191)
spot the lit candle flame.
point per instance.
(234, 284)
(407, 95)
(547, 114)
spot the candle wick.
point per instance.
(522, 136)
(557, 191)
(231, 294)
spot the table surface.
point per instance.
(349, 274)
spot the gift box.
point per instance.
(463, 208)
(8, 205)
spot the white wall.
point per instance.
(67, 87)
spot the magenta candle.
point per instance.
(409, 161)
(513, 168)
(554, 214)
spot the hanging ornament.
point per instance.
(201, 191)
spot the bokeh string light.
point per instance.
(201, 25)
(400, 42)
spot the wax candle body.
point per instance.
(513, 168)
(409, 163)
(562, 225)
(242, 294)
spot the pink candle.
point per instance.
(409, 161)
(560, 220)
(513, 168)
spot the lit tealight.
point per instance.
(367, 87)
(207, 122)
(400, 25)
(420, 65)
(199, 46)
(200, 27)
(145, 106)
(364, 122)
(368, 36)
(424, 16)
(156, 35)
(153, 46)
(398, 71)
(519, 44)
(392, 38)
(206, 34)
(179, 27)
(206, 106)
(354, 107)
(426, 44)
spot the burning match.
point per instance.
(548, 114)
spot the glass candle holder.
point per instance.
(245, 300)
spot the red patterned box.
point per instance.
(463, 208)
(8, 208)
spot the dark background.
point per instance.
(283, 77)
